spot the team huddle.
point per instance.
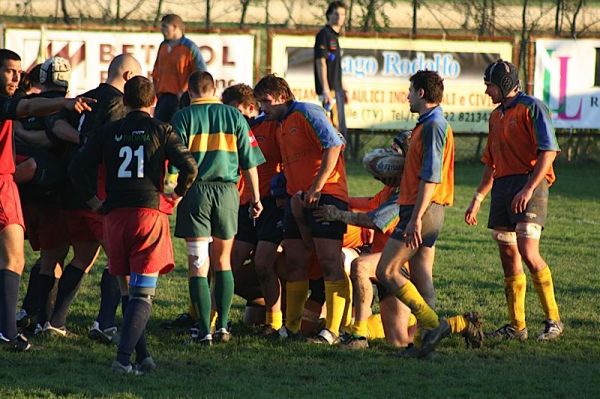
(261, 199)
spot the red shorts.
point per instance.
(138, 240)
(84, 225)
(46, 227)
(10, 203)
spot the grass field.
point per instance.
(467, 275)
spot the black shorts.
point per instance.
(503, 192)
(332, 230)
(433, 220)
(269, 226)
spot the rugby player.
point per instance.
(84, 226)
(220, 140)
(518, 170)
(311, 152)
(177, 58)
(12, 258)
(426, 188)
(262, 236)
(136, 226)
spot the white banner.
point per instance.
(229, 57)
(376, 71)
(567, 80)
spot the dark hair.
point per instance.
(239, 94)
(173, 19)
(138, 93)
(502, 74)
(274, 86)
(431, 83)
(334, 5)
(31, 78)
(201, 82)
(6, 54)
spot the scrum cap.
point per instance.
(502, 74)
(56, 70)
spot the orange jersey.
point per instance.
(430, 158)
(264, 132)
(302, 137)
(174, 65)
(518, 131)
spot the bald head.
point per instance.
(122, 68)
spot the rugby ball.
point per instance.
(384, 164)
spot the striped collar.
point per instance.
(205, 100)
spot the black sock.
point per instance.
(68, 285)
(9, 295)
(137, 313)
(110, 295)
(31, 302)
(141, 349)
(46, 286)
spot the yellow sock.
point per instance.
(542, 281)
(410, 296)
(412, 320)
(213, 319)
(360, 328)
(336, 296)
(458, 324)
(297, 292)
(346, 324)
(514, 290)
(274, 319)
(375, 327)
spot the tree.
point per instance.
(65, 12)
(158, 14)
(245, 4)
(558, 17)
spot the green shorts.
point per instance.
(209, 209)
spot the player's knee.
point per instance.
(198, 253)
(503, 237)
(532, 231)
(383, 274)
(142, 286)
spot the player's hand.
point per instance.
(520, 201)
(79, 104)
(326, 213)
(412, 234)
(346, 97)
(311, 198)
(255, 209)
(173, 198)
(327, 98)
(471, 212)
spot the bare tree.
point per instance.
(558, 17)
(574, 20)
(415, 4)
(158, 14)
(245, 4)
(65, 12)
(207, 22)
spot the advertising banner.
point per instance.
(229, 57)
(567, 80)
(376, 71)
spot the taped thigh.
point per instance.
(529, 230)
(503, 237)
(198, 251)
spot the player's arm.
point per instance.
(33, 137)
(328, 161)
(541, 168)
(45, 106)
(180, 157)
(65, 132)
(83, 170)
(484, 187)
(330, 213)
(320, 56)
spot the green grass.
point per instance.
(467, 275)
